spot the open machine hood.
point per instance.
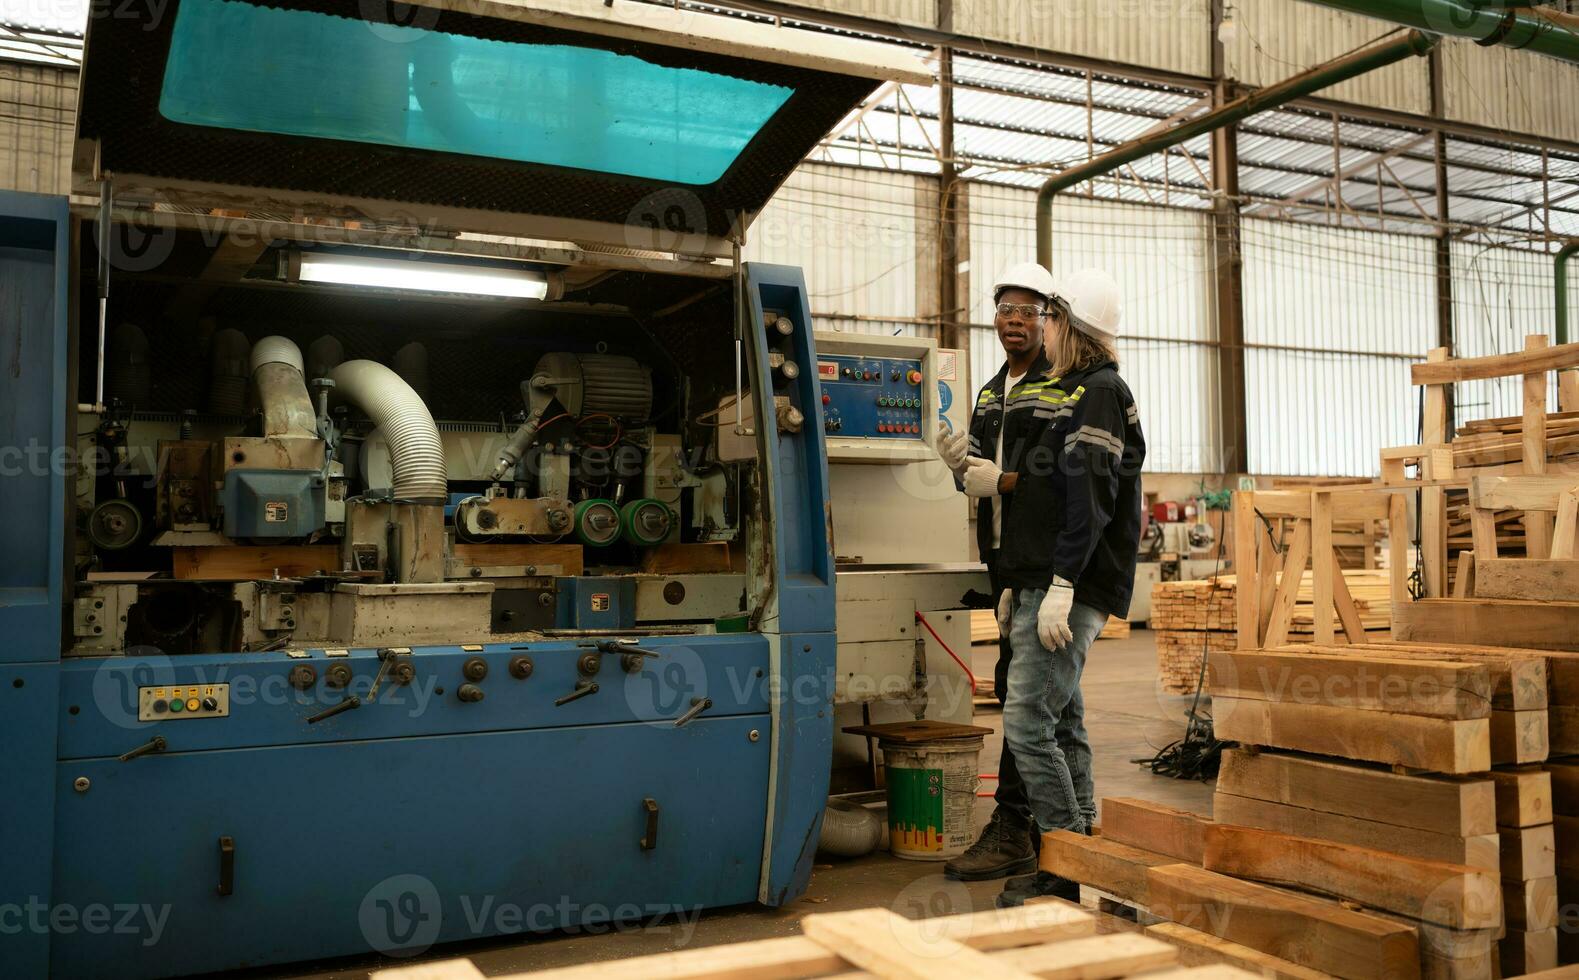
(629, 125)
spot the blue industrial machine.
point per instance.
(374, 577)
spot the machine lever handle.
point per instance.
(617, 646)
(227, 865)
(351, 702)
(582, 690)
(155, 744)
(698, 705)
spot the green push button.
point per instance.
(177, 705)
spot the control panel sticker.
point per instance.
(169, 703)
(600, 602)
(276, 512)
(948, 365)
(945, 397)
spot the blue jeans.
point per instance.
(1044, 716)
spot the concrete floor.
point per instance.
(1127, 717)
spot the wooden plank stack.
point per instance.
(1288, 905)
(1048, 938)
(1193, 617)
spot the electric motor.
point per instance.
(589, 384)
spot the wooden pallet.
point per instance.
(1046, 938)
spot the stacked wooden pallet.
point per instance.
(1564, 776)
(1192, 618)
(1425, 707)
(1291, 905)
(1046, 939)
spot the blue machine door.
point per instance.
(398, 844)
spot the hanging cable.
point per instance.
(1199, 753)
(949, 650)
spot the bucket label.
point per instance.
(915, 809)
(276, 512)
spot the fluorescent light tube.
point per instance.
(425, 276)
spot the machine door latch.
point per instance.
(649, 840)
(583, 689)
(227, 865)
(155, 744)
(698, 705)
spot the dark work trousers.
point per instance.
(1010, 796)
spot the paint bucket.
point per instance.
(931, 796)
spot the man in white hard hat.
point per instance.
(1071, 528)
(1003, 422)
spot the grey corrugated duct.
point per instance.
(282, 390)
(415, 451)
(227, 376)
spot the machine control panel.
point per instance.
(872, 397)
(175, 701)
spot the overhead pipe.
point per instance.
(1487, 24)
(1563, 255)
(415, 449)
(282, 389)
(1413, 44)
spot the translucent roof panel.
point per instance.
(336, 78)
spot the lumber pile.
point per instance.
(1044, 939)
(1192, 618)
(1419, 698)
(1499, 442)
(1292, 904)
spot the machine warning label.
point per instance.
(276, 511)
(948, 365)
(600, 602)
(827, 370)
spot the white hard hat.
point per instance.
(1026, 275)
(1092, 298)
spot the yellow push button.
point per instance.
(192, 704)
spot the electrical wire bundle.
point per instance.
(1200, 752)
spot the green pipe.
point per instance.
(1367, 59)
(1562, 289)
(1484, 23)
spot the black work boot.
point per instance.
(1004, 848)
(1039, 885)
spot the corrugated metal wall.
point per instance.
(859, 235)
(1500, 296)
(1172, 36)
(1333, 319)
(1161, 259)
(1279, 38)
(38, 107)
(1512, 90)
(922, 13)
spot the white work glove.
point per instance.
(1052, 619)
(952, 446)
(981, 480)
(1004, 602)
